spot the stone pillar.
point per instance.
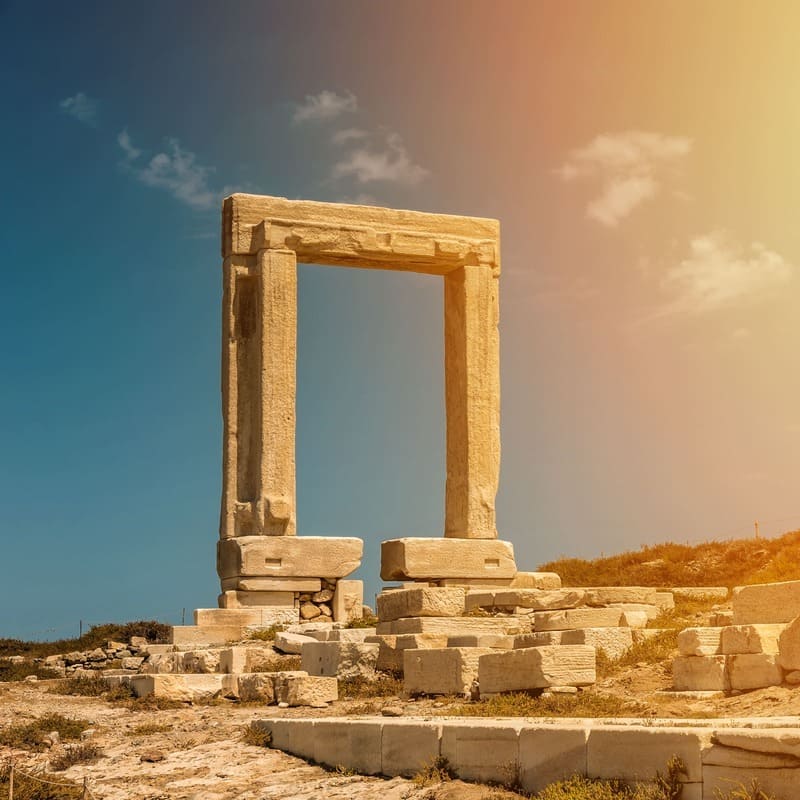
(259, 352)
(472, 399)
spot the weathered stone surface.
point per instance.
(390, 654)
(665, 601)
(536, 668)
(699, 592)
(491, 640)
(488, 753)
(772, 782)
(257, 687)
(454, 626)
(450, 670)
(348, 600)
(272, 584)
(536, 599)
(245, 617)
(700, 642)
(538, 639)
(422, 602)
(753, 671)
(291, 642)
(766, 603)
(349, 634)
(700, 673)
(577, 618)
(185, 688)
(633, 619)
(548, 755)
(234, 598)
(751, 638)
(288, 556)
(536, 580)
(353, 742)
(309, 611)
(201, 661)
(650, 610)
(305, 690)
(404, 559)
(789, 646)
(614, 642)
(608, 595)
(342, 659)
(407, 746)
(250, 658)
(205, 634)
(163, 663)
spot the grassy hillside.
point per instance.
(735, 562)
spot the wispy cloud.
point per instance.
(348, 135)
(176, 170)
(630, 167)
(81, 107)
(325, 105)
(720, 272)
(390, 163)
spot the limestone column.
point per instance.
(472, 399)
(259, 354)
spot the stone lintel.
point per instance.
(288, 556)
(358, 236)
(412, 558)
(272, 584)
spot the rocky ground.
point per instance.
(197, 752)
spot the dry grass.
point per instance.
(84, 753)
(26, 788)
(386, 684)
(93, 686)
(265, 634)
(149, 728)
(741, 791)
(520, 704)
(437, 771)
(30, 735)
(149, 703)
(367, 621)
(18, 672)
(735, 562)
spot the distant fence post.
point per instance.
(86, 794)
(11, 782)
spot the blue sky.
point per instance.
(647, 302)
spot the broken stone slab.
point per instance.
(613, 595)
(288, 556)
(291, 642)
(421, 602)
(751, 638)
(257, 687)
(577, 618)
(633, 619)
(485, 640)
(789, 646)
(246, 658)
(614, 642)
(536, 668)
(536, 599)
(350, 634)
(700, 642)
(234, 598)
(272, 584)
(390, 654)
(753, 671)
(700, 673)
(700, 592)
(538, 639)
(431, 559)
(348, 600)
(185, 688)
(650, 610)
(305, 690)
(766, 603)
(162, 664)
(340, 659)
(454, 625)
(201, 661)
(448, 670)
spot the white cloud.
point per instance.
(630, 167)
(325, 105)
(349, 135)
(720, 272)
(175, 170)
(81, 107)
(390, 163)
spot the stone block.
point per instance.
(576, 618)
(342, 659)
(766, 603)
(350, 634)
(230, 687)
(353, 744)
(538, 599)
(205, 634)
(454, 626)
(614, 642)
(449, 670)
(296, 736)
(789, 646)
(132, 662)
(700, 592)
(611, 595)
(753, 671)
(483, 750)
(201, 661)
(431, 559)
(291, 642)
(407, 746)
(390, 654)
(536, 668)
(633, 619)
(185, 688)
(751, 638)
(257, 687)
(309, 585)
(420, 602)
(665, 601)
(246, 658)
(305, 690)
(348, 600)
(288, 556)
(700, 674)
(550, 754)
(536, 580)
(650, 610)
(637, 753)
(773, 783)
(540, 639)
(234, 598)
(163, 664)
(700, 642)
(486, 640)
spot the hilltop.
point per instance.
(734, 562)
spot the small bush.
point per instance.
(751, 791)
(86, 686)
(29, 735)
(266, 634)
(84, 753)
(385, 684)
(120, 692)
(257, 736)
(18, 672)
(437, 771)
(149, 728)
(653, 650)
(521, 704)
(367, 621)
(150, 703)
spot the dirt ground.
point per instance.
(201, 756)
